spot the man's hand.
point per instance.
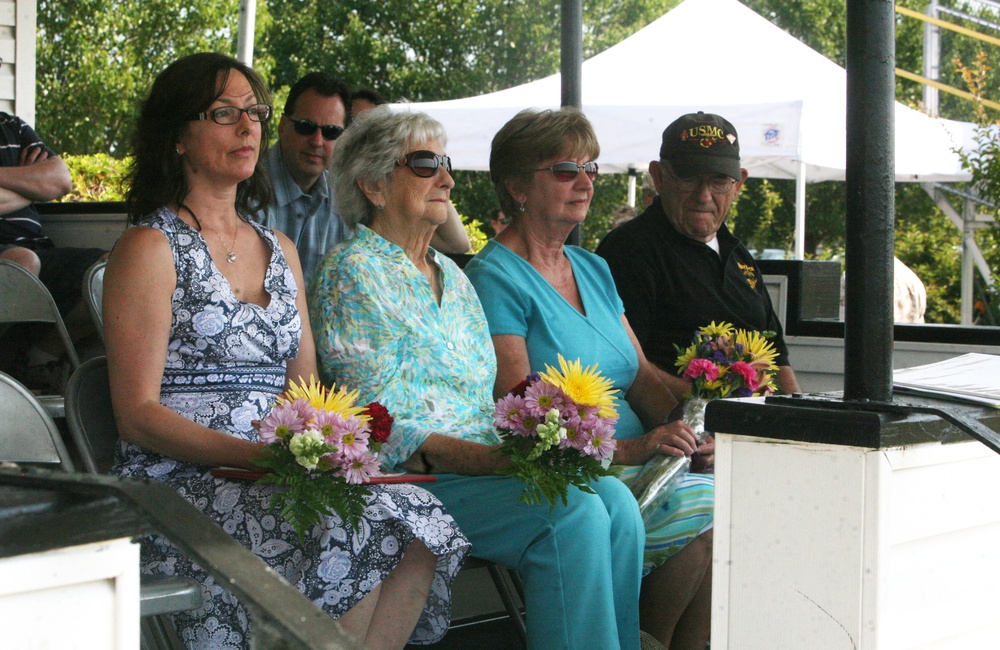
(32, 155)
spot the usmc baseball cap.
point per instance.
(701, 143)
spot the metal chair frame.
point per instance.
(28, 434)
(93, 293)
(24, 299)
(92, 426)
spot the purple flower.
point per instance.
(360, 470)
(600, 442)
(528, 426)
(509, 412)
(540, 397)
(574, 435)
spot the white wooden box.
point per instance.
(80, 597)
(831, 547)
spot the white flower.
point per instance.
(308, 447)
(210, 321)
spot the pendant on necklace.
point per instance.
(231, 257)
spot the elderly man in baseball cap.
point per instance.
(676, 266)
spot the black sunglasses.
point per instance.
(424, 163)
(308, 127)
(568, 170)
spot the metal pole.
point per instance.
(571, 67)
(932, 58)
(245, 36)
(800, 213)
(968, 270)
(571, 62)
(870, 199)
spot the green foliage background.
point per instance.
(96, 59)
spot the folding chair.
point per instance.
(93, 293)
(28, 435)
(92, 425)
(24, 299)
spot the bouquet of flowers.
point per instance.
(558, 430)
(721, 362)
(322, 449)
(726, 362)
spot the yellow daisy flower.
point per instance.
(585, 386)
(334, 400)
(684, 359)
(721, 329)
(758, 347)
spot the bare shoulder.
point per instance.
(142, 251)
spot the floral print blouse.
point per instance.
(380, 331)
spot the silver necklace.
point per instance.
(231, 256)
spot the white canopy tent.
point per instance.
(787, 101)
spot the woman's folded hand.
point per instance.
(705, 458)
(674, 439)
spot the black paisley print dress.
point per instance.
(225, 364)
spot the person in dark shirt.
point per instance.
(32, 172)
(676, 266)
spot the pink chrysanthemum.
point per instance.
(509, 411)
(302, 406)
(360, 470)
(541, 397)
(330, 424)
(281, 423)
(601, 443)
(582, 412)
(528, 427)
(574, 435)
(353, 437)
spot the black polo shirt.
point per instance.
(672, 285)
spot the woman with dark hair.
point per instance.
(400, 322)
(205, 326)
(543, 299)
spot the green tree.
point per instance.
(431, 51)
(96, 59)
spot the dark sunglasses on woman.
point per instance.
(308, 127)
(568, 170)
(424, 163)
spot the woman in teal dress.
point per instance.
(543, 299)
(402, 323)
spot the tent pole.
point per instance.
(632, 171)
(245, 36)
(800, 212)
(968, 248)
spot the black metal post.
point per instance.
(571, 67)
(871, 57)
(571, 60)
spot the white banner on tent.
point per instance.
(766, 145)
